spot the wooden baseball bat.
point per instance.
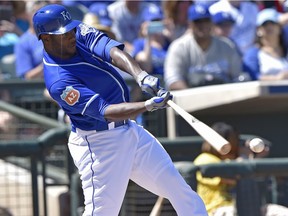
(206, 132)
(156, 211)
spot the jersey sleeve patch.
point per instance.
(85, 29)
(70, 95)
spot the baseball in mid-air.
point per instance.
(257, 145)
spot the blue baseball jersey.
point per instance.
(86, 84)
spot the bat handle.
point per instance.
(156, 211)
(169, 102)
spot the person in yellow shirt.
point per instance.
(217, 193)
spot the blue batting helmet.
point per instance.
(53, 19)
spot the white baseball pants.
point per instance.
(106, 160)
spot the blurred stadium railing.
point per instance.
(27, 176)
(34, 171)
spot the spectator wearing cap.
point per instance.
(150, 48)
(200, 58)
(267, 60)
(223, 24)
(126, 18)
(101, 11)
(244, 13)
(99, 18)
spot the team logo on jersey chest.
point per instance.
(70, 95)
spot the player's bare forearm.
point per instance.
(148, 83)
(122, 111)
(125, 62)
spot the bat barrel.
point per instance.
(225, 149)
(206, 132)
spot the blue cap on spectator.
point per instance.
(100, 10)
(222, 17)
(198, 11)
(265, 15)
(152, 12)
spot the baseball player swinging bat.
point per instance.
(207, 133)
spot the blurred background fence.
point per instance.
(38, 177)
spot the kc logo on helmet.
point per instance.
(66, 15)
(70, 95)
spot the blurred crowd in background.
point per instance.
(186, 43)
